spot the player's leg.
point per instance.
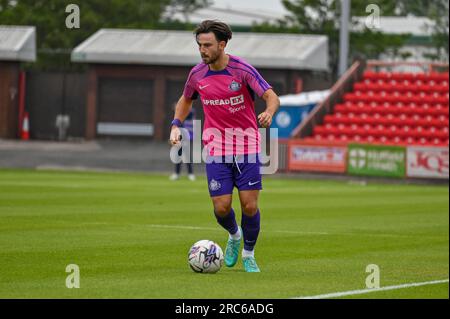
(190, 168)
(189, 165)
(176, 175)
(249, 182)
(227, 219)
(251, 224)
(222, 206)
(220, 182)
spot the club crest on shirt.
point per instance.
(214, 185)
(235, 86)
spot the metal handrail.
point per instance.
(342, 86)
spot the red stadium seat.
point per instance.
(392, 108)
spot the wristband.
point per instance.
(177, 122)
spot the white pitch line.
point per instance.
(365, 291)
(179, 227)
(298, 232)
(278, 231)
(210, 228)
(187, 227)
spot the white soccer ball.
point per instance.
(205, 256)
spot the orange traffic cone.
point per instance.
(25, 134)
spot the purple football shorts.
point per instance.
(226, 172)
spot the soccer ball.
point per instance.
(205, 256)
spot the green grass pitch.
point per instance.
(130, 233)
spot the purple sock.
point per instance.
(250, 228)
(228, 222)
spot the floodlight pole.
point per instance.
(344, 37)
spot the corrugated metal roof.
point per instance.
(285, 51)
(17, 43)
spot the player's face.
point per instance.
(210, 49)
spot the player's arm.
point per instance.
(182, 109)
(272, 105)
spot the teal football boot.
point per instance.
(250, 264)
(232, 251)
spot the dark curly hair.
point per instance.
(221, 30)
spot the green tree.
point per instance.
(55, 41)
(49, 17)
(438, 13)
(323, 17)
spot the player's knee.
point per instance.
(249, 208)
(222, 209)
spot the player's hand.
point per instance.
(265, 119)
(175, 135)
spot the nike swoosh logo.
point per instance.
(202, 87)
(251, 184)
